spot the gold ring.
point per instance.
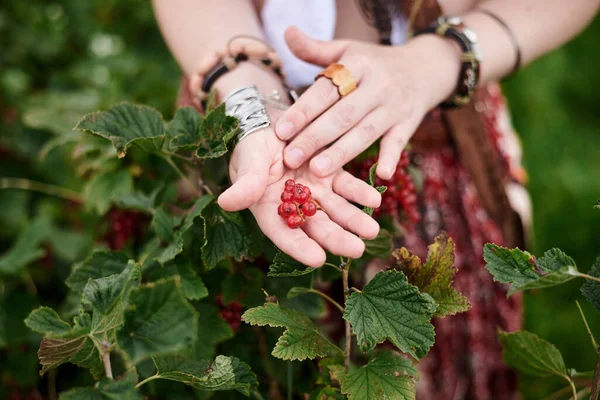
(341, 77)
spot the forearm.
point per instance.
(194, 29)
(539, 26)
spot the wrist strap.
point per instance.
(453, 28)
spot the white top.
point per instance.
(317, 18)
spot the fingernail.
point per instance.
(385, 173)
(285, 129)
(294, 157)
(322, 163)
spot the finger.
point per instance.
(293, 242)
(332, 237)
(314, 51)
(354, 142)
(250, 176)
(333, 123)
(390, 148)
(350, 217)
(356, 190)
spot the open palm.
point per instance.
(258, 174)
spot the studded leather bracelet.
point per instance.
(455, 29)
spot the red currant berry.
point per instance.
(301, 195)
(309, 208)
(289, 185)
(287, 209)
(294, 221)
(287, 196)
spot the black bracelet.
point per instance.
(453, 28)
(511, 35)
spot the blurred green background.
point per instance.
(59, 60)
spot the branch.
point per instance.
(183, 176)
(106, 362)
(40, 187)
(573, 388)
(587, 326)
(596, 381)
(329, 299)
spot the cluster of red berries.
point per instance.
(124, 226)
(296, 204)
(400, 194)
(230, 312)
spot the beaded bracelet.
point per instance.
(217, 64)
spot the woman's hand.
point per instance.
(397, 86)
(258, 175)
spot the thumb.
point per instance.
(251, 170)
(314, 51)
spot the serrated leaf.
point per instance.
(531, 354)
(224, 373)
(107, 389)
(300, 340)
(100, 264)
(127, 125)
(105, 189)
(385, 376)
(104, 293)
(162, 225)
(192, 285)
(227, 235)
(26, 249)
(326, 393)
(140, 201)
(212, 330)
(523, 271)
(371, 181)
(216, 131)
(184, 129)
(46, 321)
(436, 276)
(158, 321)
(286, 266)
(381, 246)
(390, 308)
(591, 289)
(175, 246)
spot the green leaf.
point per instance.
(381, 246)
(212, 330)
(285, 266)
(244, 285)
(162, 225)
(386, 376)
(298, 291)
(127, 125)
(391, 308)
(104, 293)
(227, 235)
(158, 321)
(371, 181)
(301, 339)
(47, 322)
(26, 249)
(100, 264)
(192, 285)
(216, 131)
(105, 189)
(591, 289)
(326, 393)
(140, 201)
(532, 355)
(435, 277)
(175, 246)
(224, 373)
(107, 389)
(184, 129)
(523, 271)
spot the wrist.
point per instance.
(248, 74)
(439, 62)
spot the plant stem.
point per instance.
(596, 381)
(176, 155)
(29, 283)
(148, 379)
(183, 176)
(41, 187)
(290, 380)
(573, 388)
(348, 348)
(256, 394)
(333, 266)
(586, 276)
(587, 326)
(329, 299)
(52, 393)
(106, 361)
